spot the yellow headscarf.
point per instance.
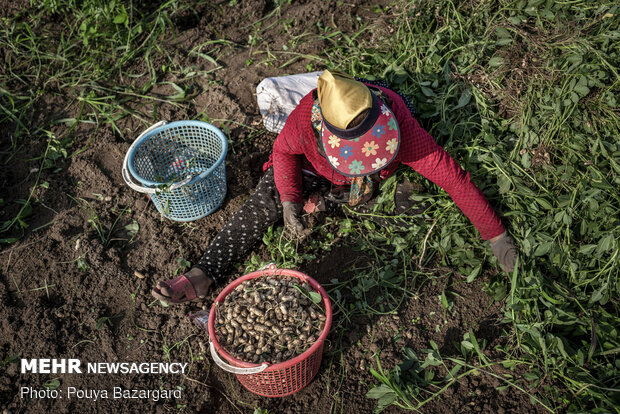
(342, 98)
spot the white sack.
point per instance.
(277, 97)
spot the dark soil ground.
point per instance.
(49, 308)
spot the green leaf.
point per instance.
(13, 359)
(428, 376)
(472, 276)
(100, 322)
(500, 292)
(544, 203)
(467, 345)
(543, 249)
(597, 295)
(206, 57)
(376, 374)
(560, 345)
(503, 184)
(574, 59)
(133, 227)
(582, 90)
(122, 17)
(503, 33)
(581, 87)
(580, 357)
(527, 246)
(464, 99)
(496, 61)
(399, 244)
(515, 20)
(52, 384)
(455, 370)
(458, 240)
(526, 160)
(444, 299)
(605, 244)
(315, 297)
(567, 219)
(427, 91)
(387, 399)
(503, 42)
(379, 392)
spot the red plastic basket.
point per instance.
(283, 378)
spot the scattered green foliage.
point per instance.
(99, 42)
(414, 382)
(527, 104)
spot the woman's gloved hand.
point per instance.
(505, 250)
(291, 218)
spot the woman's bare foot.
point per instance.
(193, 284)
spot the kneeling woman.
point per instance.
(340, 141)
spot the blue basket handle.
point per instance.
(185, 181)
(125, 171)
(190, 179)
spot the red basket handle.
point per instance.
(234, 370)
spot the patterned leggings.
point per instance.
(262, 209)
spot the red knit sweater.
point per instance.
(295, 148)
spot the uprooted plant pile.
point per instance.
(270, 319)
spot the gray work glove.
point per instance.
(506, 252)
(291, 218)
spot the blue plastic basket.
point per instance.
(181, 166)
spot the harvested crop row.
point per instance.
(269, 319)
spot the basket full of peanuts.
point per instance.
(268, 327)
